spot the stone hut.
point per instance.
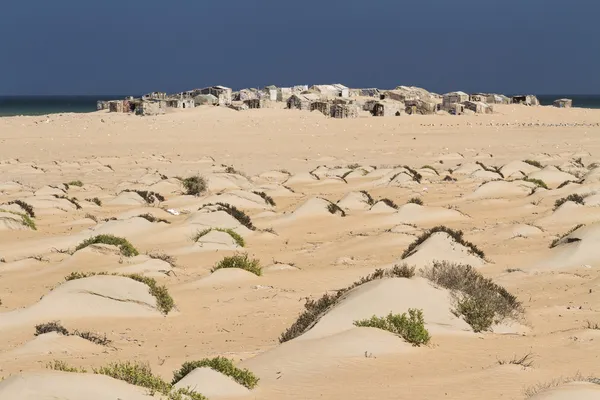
(301, 101)
(101, 105)
(452, 98)
(349, 110)
(180, 103)
(528, 100)
(222, 93)
(563, 103)
(155, 96)
(387, 108)
(271, 92)
(115, 106)
(150, 107)
(322, 106)
(331, 91)
(478, 107)
(205, 99)
(257, 103)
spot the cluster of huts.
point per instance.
(335, 100)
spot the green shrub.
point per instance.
(25, 219)
(241, 261)
(239, 240)
(537, 182)
(137, 374)
(221, 364)
(82, 275)
(457, 236)
(58, 365)
(479, 300)
(558, 239)
(314, 310)
(575, 198)
(416, 200)
(48, 327)
(534, 163)
(28, 208)
(239, 215)
(126, 248)
(194, 185)
(151, 218)
(164, 301)
(411, 328)
(268, 199)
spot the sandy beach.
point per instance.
(330, 201)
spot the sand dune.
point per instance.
(212, 384)
(441, 247)
(570, 391)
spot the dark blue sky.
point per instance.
(135, 46)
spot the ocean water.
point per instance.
(42, 105)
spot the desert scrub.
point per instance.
(537, 182)
(220, 364)
(95, 200)
(148, 196)
(478, 300)
(542, 387)
(575, 198)
(448, 178)
(268, 199)
(151, 218)
(25, 219)
(410, 328)
(414, 174)
(55, 326)
(77, 183)
(556, 241)
(171, 260)
(239, 215)
(415, 200)
(194, 185)
(430, 168)
(239, 240)
(457, 235)
(493, 169)
(62, 366)
(534, 163)
(370, 200)
(241, 261)
(126, 248)
(26, 207)
(314, 310)
(525, 361)
(389, 203)
(72, 200)
(334, 208)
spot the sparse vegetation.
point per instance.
(431, 168)
(575, 198)
(239, 240)
(495, 170)
(389, 203)
(353, 166)
(151, 218)
(231, 170)
(239, 215)
(268, 199)
(537, 182)
(416, 200)
(58, 365)
(414, 174)
(448, 178)
(26, 207)
(92, 217)
(126, 248)
(194, 185)
(148, 196)
(72, 200)
(456, 235)
(163, 257)
(411, 328)
(77, 183)
(370, 200)
(95, 200)
(241, 261)
(561, 237)
(314, 310)
(533, 390)
(525, 361)
(221, 364)
(512, 270)
(335, 209)
(592, 325)
(478, 300)
(25, 219)
(534, 163)
(48, 327)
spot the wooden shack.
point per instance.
(301, 101)
(387, 108)
(324, 107)
(349, 110)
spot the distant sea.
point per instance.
(42, 105)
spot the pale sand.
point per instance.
(300, 159)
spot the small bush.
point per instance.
(534, 163)
(25, 219)
(389, 203)
(58, 365)
(151, 218)
(448, 178)
(565, 183)
(221, 364)
(74, 183)
(314, 310)
(431, 168)
(558, 239)
(416, 200)
(239, 215)
(82, 275)
(525, 361)
(72, 200)
(239, 240)
(456, 235)
(93, 337)
(48, 327)
(479, 300)
(268, 199)
(241, 261)
(195, 185)
(199, 234)
(96, 201)
(411, 328)
(575, 198)
(231, 170)
(148, 196)
(164, 257)
(537, 183)
(135, 374)
(126, 248)
(334, 209)
(92, 217)
(370, 200)
(28, 208)
(164, 301)
(414, 174)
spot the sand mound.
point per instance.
(300, 179)
(126, 199)
(467, 169)
(11, 222)
(53, 385)
(97, 296)
(49, 191)
(415, 214)
(381, 207)
(501, 189)
(517, 168)
(226, 276)
(171, 186)
(394, 295)
(520, 230)
(217, 240)
(150, 267)
(40, 203)
(441, 247)
(354, 201)
(313, 207)
(56, 344)
(214, 219)
(223, 181)
(580, 247)
(485, 175)
(570, 213)
(552, 176)
(273, 176)
(280, 267)
(10, 187)
(571, 391)
(212, 384)
(240, 199)
(125, 228)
